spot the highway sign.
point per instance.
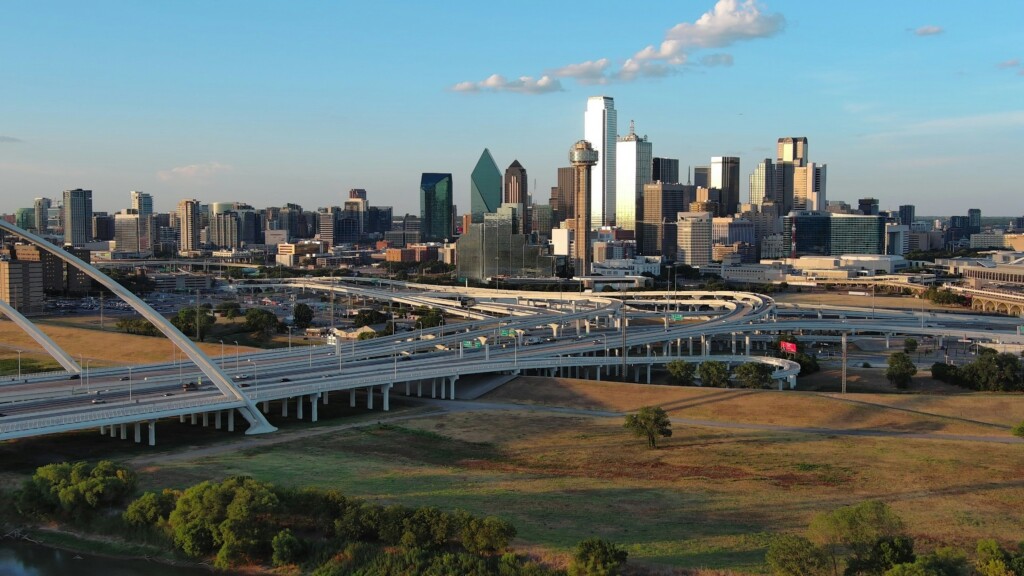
(677, 316)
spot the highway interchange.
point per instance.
(486, 331)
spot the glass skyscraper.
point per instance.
(77, 216)
(635, 160)
(436, 207)
(600, 128)
(484, 187)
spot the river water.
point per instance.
(26, 559)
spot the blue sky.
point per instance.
(913, 101)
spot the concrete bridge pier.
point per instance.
(733, 334)
(352, 398)
(419, 388)
(433, 387)
(206, 419)
(138, 433)
(887, 335)
(326, 395)
(407, 384)
(284, 407)
(152, 432)
(648, 373)
(369, 398)
(746, 344)
(217, 420)
(792, 382)
(314, 414)
(124, 431)
(231, 420)
(298, 407)
(193, 417)
(689, 340)
(181, 418)
(451, 383)
(442, 387)
(703, 345)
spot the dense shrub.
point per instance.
(74, 490)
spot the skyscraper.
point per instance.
(907, 214)
(77, 216)
(634, 157)
(809, 187)
(656, 232)
(582, 157)
(974, 221)
(725, 175)
(41, 208)
(868, 206)
(693, 238)
(142, 202)
(701, 176)
(484, 187)
(190, 221)
(436, 207)
(600, 128)
(665, 170)
(515, 184)
(762, 182)
(562, 200)
(792, 154)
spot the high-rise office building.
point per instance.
(791, 154)
(807, 233)
(725, 175)
(809, 187)
(357, 194)
(142, 202)
(437, 217)
(562, 200)
(907, 214)
(582, 158)
(656, 232)
(868, 206)
(190, 222)
(515, 186)
(132, 232)
(223, 232)
(600, 128)
(762, 182)
(701, 176)
(25, 218)
(484, 187)
(41, 207)
(665, 170)
(693, 238)
(974, 221)
(77, 216)
(634, 161)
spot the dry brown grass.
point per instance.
(102, 347)
(907, 413)
(843, 298)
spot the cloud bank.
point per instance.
(928, 30)
(10, 140)
(193, 171)
(729, 22)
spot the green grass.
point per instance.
(9, 366)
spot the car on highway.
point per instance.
(123, 378)
(98, 401)
(286, 379)
(241, 377)
(168, 393)
(189, 386)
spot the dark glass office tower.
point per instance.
(436, 207)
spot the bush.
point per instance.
(75, 490)
(597, 557)
(150, 509)
(286, 549)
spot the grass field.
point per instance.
(708, 498)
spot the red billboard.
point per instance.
(788, 347)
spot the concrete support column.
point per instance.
(433, 387)
(193, 418)
(124, 431)
(599, 373)
(442, 382)
(689, 341)
(369, 398)
(887, 335)
(231, 420)
(103, 430)
(284, 407)
(386, 392)
(352, 398)
(152, 432)
(703, 345)
(733, 343)
(313, 408)
(648, 373)
(266, 407)
(746, 344)
(452, 380)
(419, 389)
(138, 433)
(326, 395)
(181, 418)
(792, 382)
(206, 419)
(298, 407)
(217, 419)
(648, 350)
(407, 384)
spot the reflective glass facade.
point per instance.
(436, 207)
(485, 187)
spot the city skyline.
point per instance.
(275, 104)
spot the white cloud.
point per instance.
(589, 72)
(928, 30)
(717, 60)
(1012, 63)
(729, 22)
(521, 85)
(193, 171)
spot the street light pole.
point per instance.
(19, 364)
(222, 364)
(129, 384)
(236, 355)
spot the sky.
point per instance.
(913, 102)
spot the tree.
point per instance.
(185, 320)
(74, 490)
(302, 315)
(713, 373)
(1018, 430)
(261, 321)
(796, 556)
(754, 375)
(287, 549)
(682, 372)
(857, 529)
(649, 422)
(909, 345)
(597, 557)
(901, 369)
